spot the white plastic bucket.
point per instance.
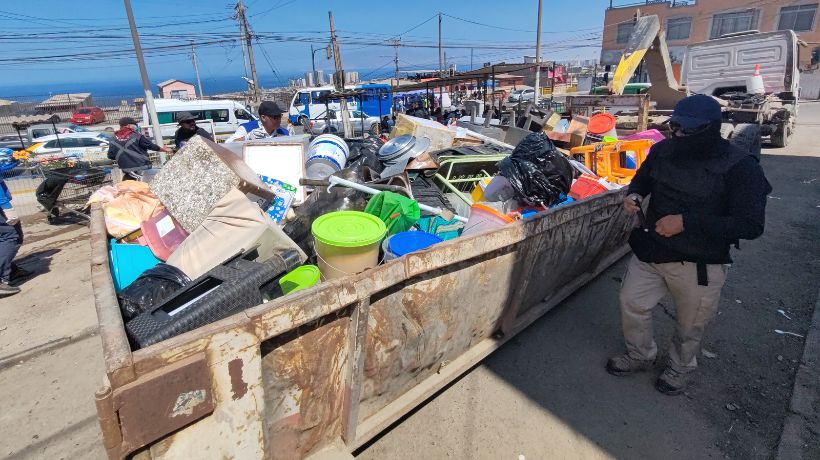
(326, 154)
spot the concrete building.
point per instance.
(176, 89)
(692, 21)
(309, 78)
(319, 78)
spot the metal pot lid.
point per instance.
(397, 146)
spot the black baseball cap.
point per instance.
(270, 108)
(125, 121)
(185, 116)
(696, 111)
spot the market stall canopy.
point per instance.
(22, 122)
(489, 72)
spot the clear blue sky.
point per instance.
(92, 40)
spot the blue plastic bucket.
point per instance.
(407, 242)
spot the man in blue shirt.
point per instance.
(11, 237)
(269, 124)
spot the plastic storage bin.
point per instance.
(128, 261)
(484, 218)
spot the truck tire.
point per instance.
(782, 135)
(746, 136)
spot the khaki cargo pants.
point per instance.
(645, 285)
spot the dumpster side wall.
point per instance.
(339, 362)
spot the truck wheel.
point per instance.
(782, 136)
(375, 129)
(746, 136)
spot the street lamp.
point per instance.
(313, 56)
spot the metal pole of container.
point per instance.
(313, 61)
(146, 85)
(538, 57)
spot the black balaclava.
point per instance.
(703, 144)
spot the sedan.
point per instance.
(87, 146)
(522, 95)
(88, 116)
(358, 120)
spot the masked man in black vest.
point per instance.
(704, 196)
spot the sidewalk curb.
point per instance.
(802, 421)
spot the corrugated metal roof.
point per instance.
(64, 99)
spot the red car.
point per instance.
(88, 116)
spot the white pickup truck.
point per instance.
(723, 68)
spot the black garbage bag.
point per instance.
(364, 152)
(49, 191)
(537, 171)
(153, 287)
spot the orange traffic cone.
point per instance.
(755, 83)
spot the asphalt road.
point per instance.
(546, 394)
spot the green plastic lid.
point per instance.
(299, 278)
(348, 229)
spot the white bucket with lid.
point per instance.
(327, 154)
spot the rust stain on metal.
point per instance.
(302, 375)
(238, 386)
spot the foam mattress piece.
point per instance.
(234, 225)
(199, 175)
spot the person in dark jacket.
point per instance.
(705, 196)
(129, 148)
(188, 129)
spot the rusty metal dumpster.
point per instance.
(332, 366)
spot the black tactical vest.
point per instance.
(691, 184)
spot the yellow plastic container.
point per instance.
(608, 159)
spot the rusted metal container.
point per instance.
(326, 369)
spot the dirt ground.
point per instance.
(544, 395)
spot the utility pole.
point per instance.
(146, 85)
(313, 61)
(440, 55)
(248, 37)
(538, 58)
(242, 45)
(196, 69)
(339, 78)
(396, 44)
(471, 59)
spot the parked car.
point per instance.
(37, 131)
(12, 141)
(522, 95)
(88, 116)
(358, 120)
(87, 146)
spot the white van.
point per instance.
(226, 115)
(308, 102)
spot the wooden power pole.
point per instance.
(248, 37)
(339, 78)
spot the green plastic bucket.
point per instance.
(347, 242)
(299, 278)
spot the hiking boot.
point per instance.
(19, 274)
(671, 382)
(5, 289)
(625, 365)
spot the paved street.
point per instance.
(543, 395)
